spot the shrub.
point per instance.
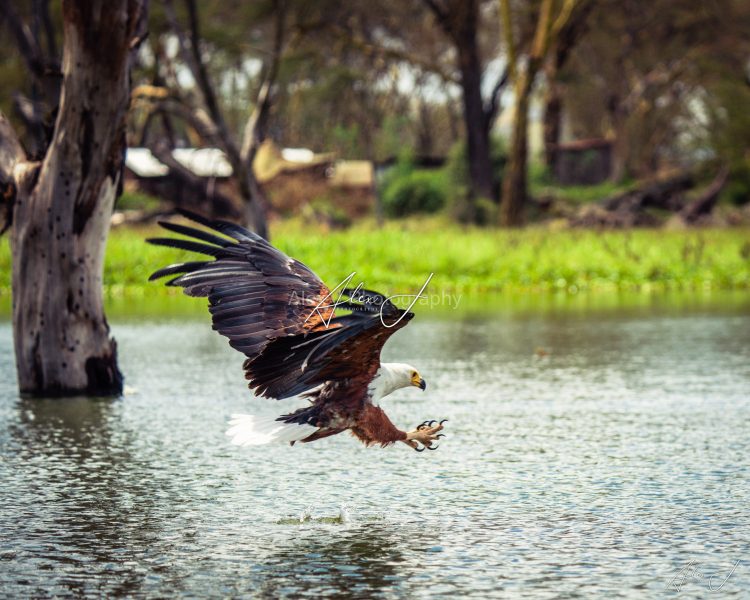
(409, 192)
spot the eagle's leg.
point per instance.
(425, 434)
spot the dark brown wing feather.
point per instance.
(256, 293)
(349, 351)
(272, 308)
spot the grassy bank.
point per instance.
(400, 256)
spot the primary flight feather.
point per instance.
(283, 318)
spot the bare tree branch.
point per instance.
(358, 42)
(510, 45)
(255, 127)
(11, 151)
(162, 103)
(12, 158)
(493, 104)
(25, 42)
(440, 12)
(190, 51)
(49, 31)
(562, 19)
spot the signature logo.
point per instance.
(358, 295)
(692, 572)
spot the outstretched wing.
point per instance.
(256, 293)
(275, 310)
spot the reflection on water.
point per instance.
(604, 465)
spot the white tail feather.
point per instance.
(249, 430)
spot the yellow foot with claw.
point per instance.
(426, 434)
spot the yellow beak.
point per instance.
(417, 381)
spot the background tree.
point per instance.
(200, 102)
(560, 51)
(61, 207)
(361, 83)
(459, 19)
(550, 21)
(34, 101)
(653, 93)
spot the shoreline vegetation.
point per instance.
(465, 260)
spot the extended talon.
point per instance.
(425, 435)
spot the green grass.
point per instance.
(541, 185)
(137, 201)
(399, 257)
(579, 194)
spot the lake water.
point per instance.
(614, 462)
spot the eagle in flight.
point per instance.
(282, 317)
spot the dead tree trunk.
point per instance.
(61, 218)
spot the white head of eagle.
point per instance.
(326, 353)
(391, 377)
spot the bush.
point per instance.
(409, 192)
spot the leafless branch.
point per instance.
(49, 31)
(190, 52)
(510, 45)
(440, 12)
(493, 104)
(25, 42)
(11, 153)
(254, 127)
(195, 118)
(358, 42)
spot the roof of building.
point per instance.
(352, 173)
(212, 162)
(204, 162)
(270, 161)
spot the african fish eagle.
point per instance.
(278, 313)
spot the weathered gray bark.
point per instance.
(61, 217)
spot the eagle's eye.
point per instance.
(413, 373)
